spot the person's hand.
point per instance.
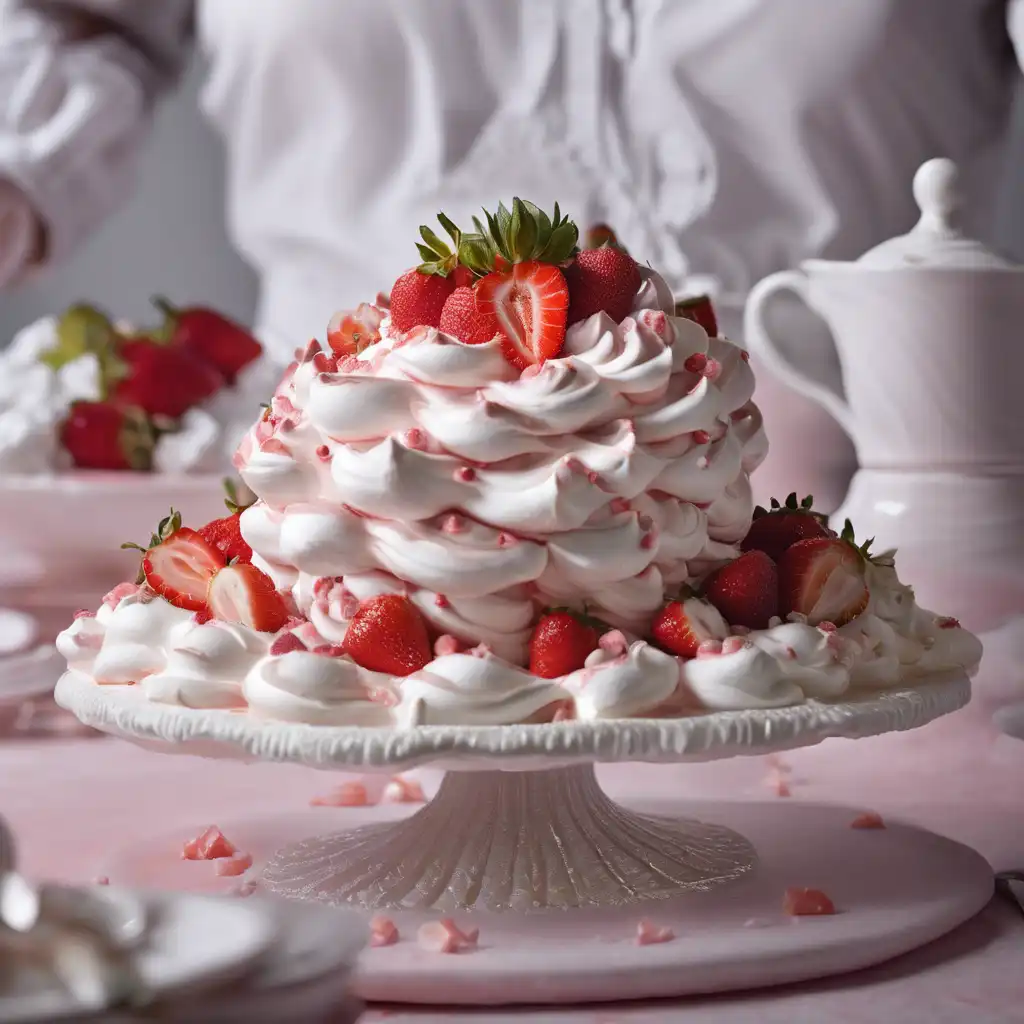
(20, 232)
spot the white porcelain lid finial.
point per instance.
(936, 240)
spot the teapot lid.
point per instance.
(936, 240)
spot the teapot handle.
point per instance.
(761, 345)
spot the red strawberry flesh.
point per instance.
(181, 567)
(823, 578)
(682, 626)
(246, 595)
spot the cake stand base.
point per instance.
(896, 889)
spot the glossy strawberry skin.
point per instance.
(745, 591)
(602, 279)
(463, 318)
(98, 435)
(225, 535)
(163, 380)
(417, 300)
(560, 644)
(216, 340)
(778, 531)
(673, 630)
(387, 634)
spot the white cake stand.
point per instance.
(521, 839)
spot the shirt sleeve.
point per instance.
(78, 81)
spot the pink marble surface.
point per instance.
(71, 800)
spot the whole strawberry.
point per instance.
(210, 336)
(775, 530)
(161, 379)
(825, 578)
(601, 279)
(225, 535)
(98, 435)
(561, 642)
(418, 298)
(682, 626)
(387, 634)
(700, 311)
(463, 318)
(746, 590)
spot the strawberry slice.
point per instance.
(530, 304)
(746, 590)
(824, 579)
(180, 568)
(682, 626)
(244, 594)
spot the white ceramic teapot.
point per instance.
(929, 330)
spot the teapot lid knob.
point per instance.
(936, 192)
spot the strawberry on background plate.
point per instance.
(745, 590)
(98, 435)
(244, 594)
(387, 634)
(824, 578)
(682, 626)
(780, 527)
(162, 380)
(212, 337)
(561, 642)
(700, 310)
(602, 279)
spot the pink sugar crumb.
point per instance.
(445, 936)
(650, 934)
(827, 627)
(238, 864)
(648, 540)
(453, 524)
(947, 622)
(507, 540)
(656, 320)
(441, 601)
(744, 355)
(732, 644)
(619, 505)
(614, 642)
(119, 593)
(798, 902)
(403, 791)
(323, 453)
(285, 643)
(445, 645)
(210, 844)
(782, 788)
(84, 613)
(416, 439)
(696, 363)
(348, 794)
(701, 437)
(712, 368)
(466, 474)
(868, 820)
(329, 650)
(101, 880)
(383, 932)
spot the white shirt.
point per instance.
(727, 138)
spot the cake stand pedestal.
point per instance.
(521, 843)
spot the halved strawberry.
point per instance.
(180, 568)
(246, 595)
(781, 526)
(746, 590)
(561, 642)
(824, 579)
(682, 626)
(387, 634)
(530, 304)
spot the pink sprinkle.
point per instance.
(614, 642)
(566, 712)
(444, 936)
(732, 644)
(650, 934)
(442, 602)
(948, 622)
(324, 364)
(323, 453)
(403, 791)
(286, 642)
(506, 540)
(619, 505)
(701, 437)
(466, 474)
(210, 844)
(101, 880)
(348, 794)
(84, 613)
(709, 648)
(453, 524)
(868, 820)
(655, 320)
(119, 593)
(712, 369)
(791, 654)
(482, 651)
(329, 650)
(744, 355)
(237, 864)
(827, 627)
(696, 363)
(416, 439)
(383, 932)
(445, 645)
(294, 621)
(806, 903)
(648, 540)
(781, 787)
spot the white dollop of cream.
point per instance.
(630, 685)
(746, 679)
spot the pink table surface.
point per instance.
(70, 801)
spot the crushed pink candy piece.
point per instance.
(101, 880)
(650, 934)
(445, 936)
(614, 642)
(696, 363)
(466, 474)
(445, 645)
(799, 902)
(348, 794)
(383, 932)
(868, 820)
(404, 791)
(285, 643)
(114, 597)
(947, 622)
(238, 864)
(84, 613)
(210, 844)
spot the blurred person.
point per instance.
(723, 139)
